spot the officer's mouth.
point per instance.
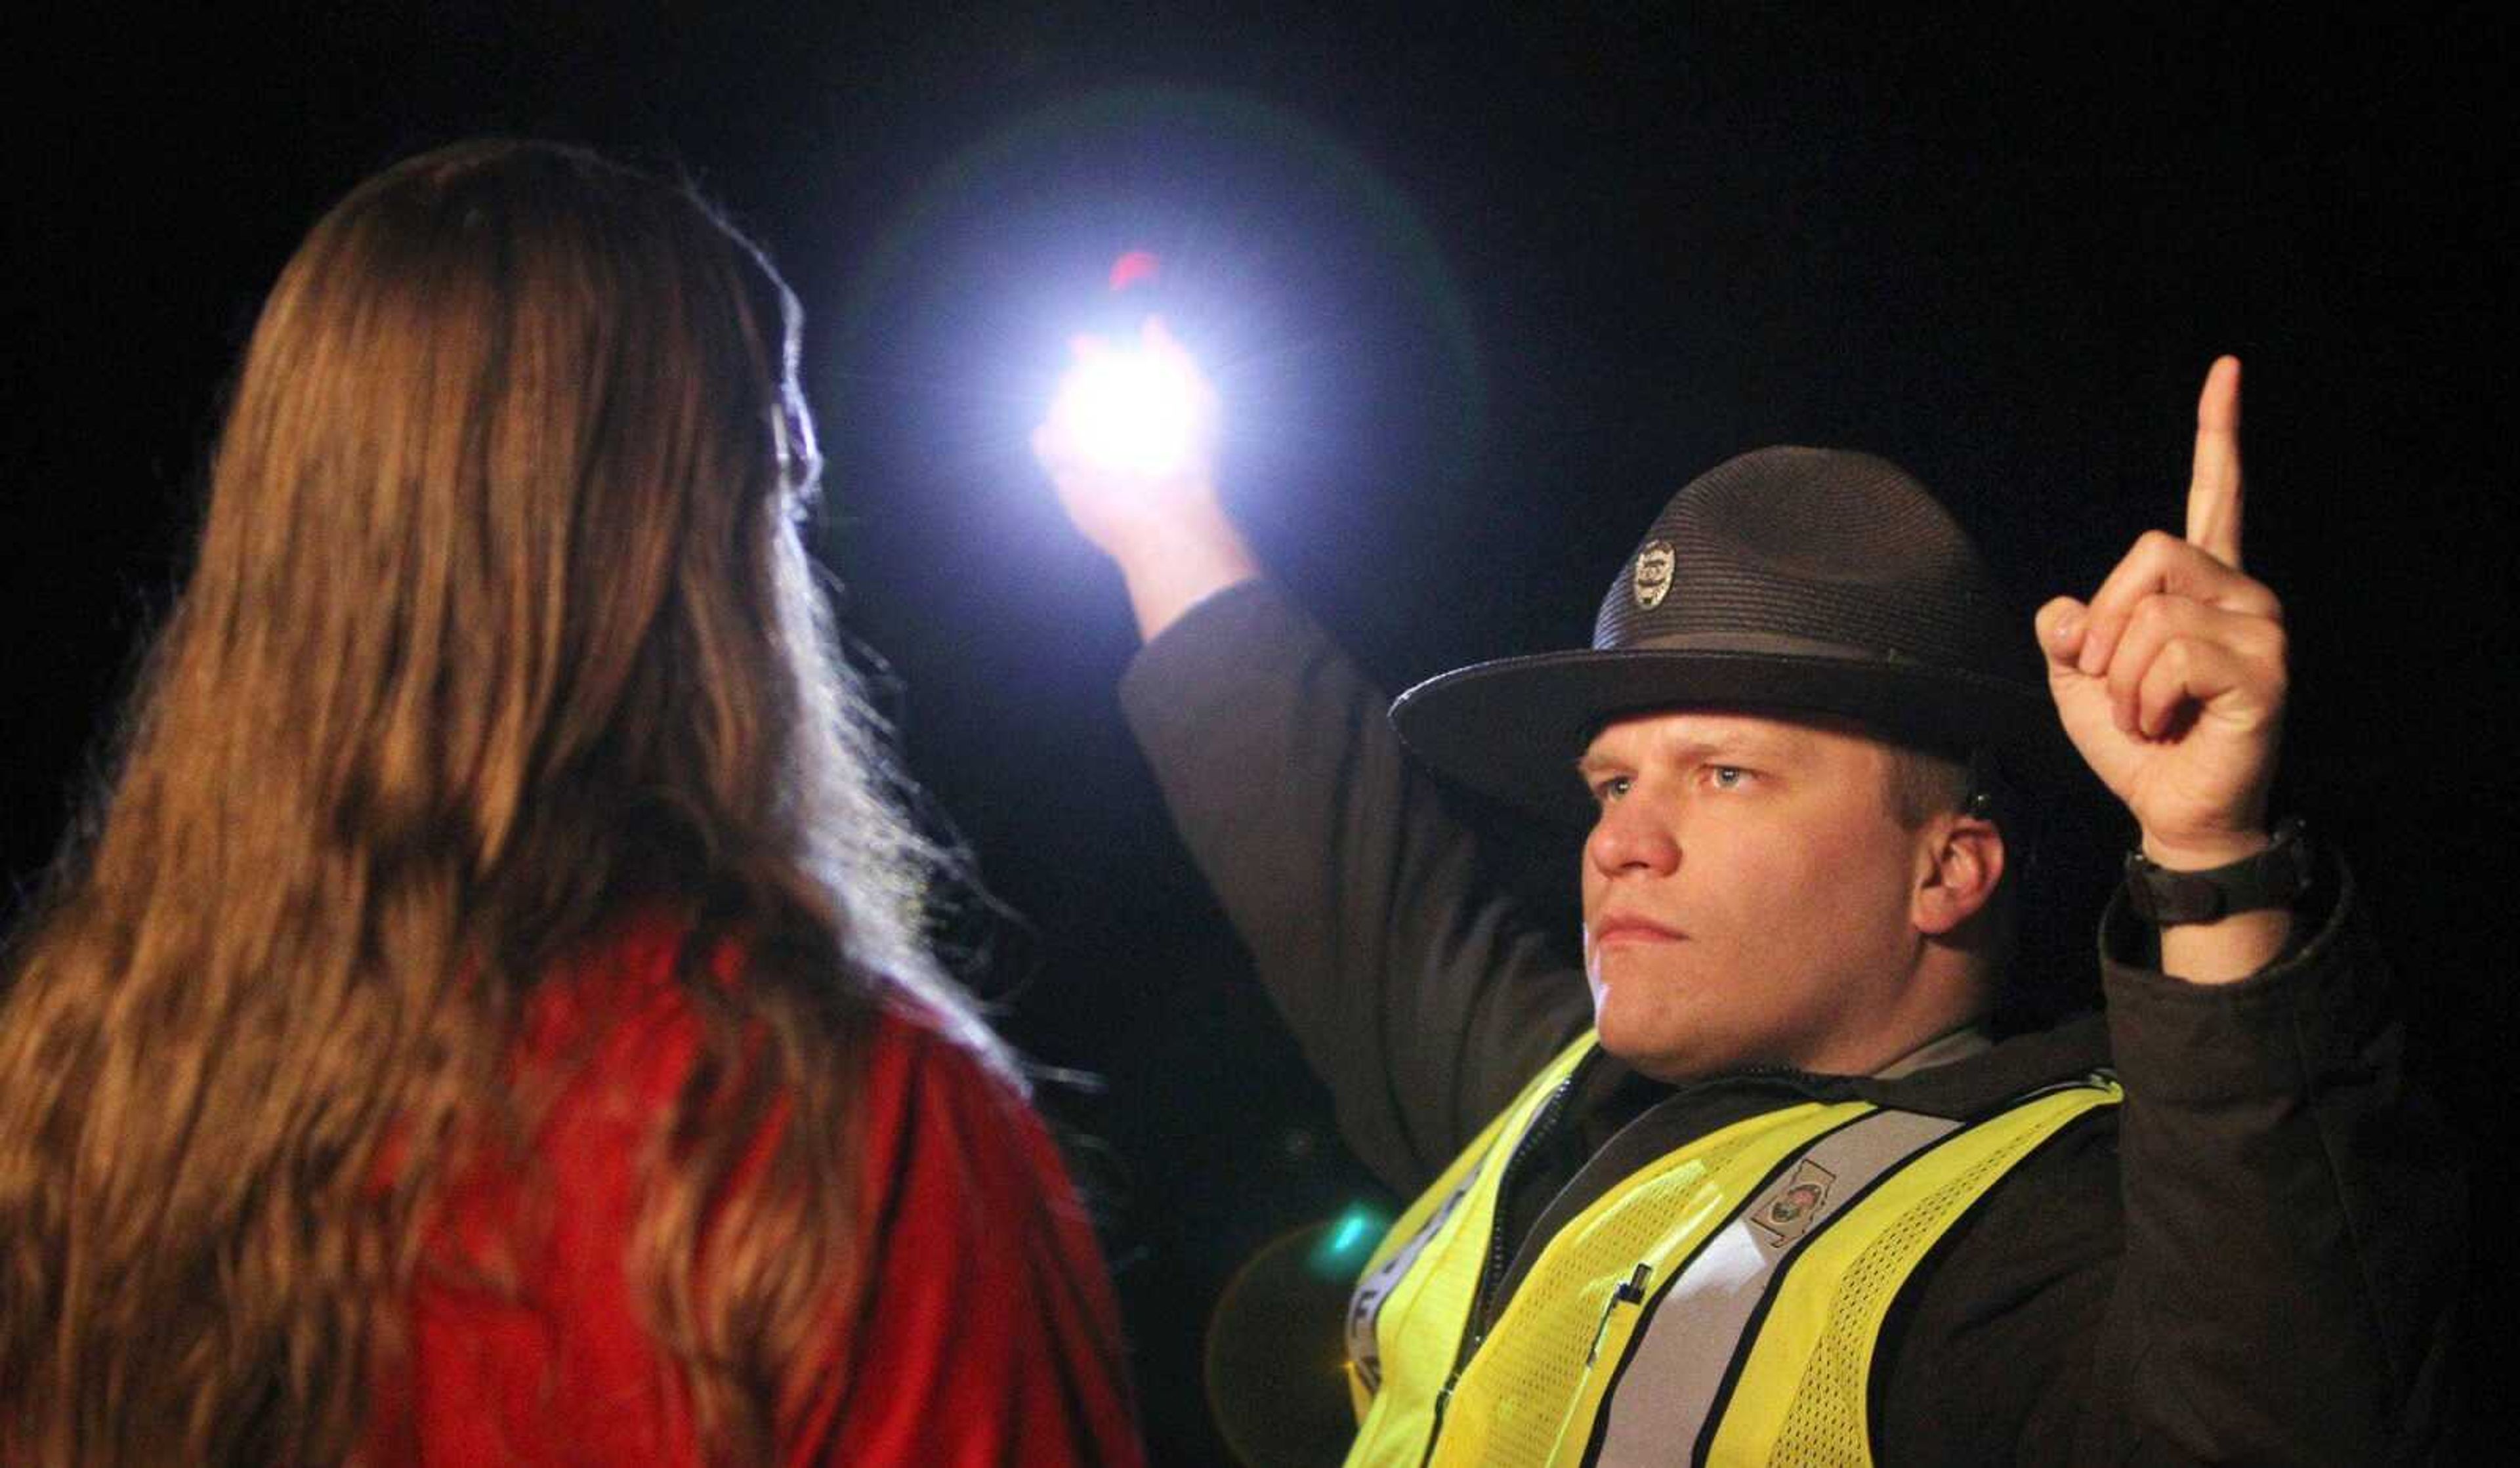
(1628, 928)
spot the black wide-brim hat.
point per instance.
(1793, 580)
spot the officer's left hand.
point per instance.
(2171, 682)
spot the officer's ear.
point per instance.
(1959, 863)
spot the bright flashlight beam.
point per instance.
(1134, 412)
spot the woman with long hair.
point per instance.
(488, 1016)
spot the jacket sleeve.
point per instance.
(2252, 1259)
(2294, 1212)
(1420, 994)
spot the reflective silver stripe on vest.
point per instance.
(1659, 1405)
(1365, 1307)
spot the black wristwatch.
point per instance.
(2275, 877)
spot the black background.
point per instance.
(1480, 293)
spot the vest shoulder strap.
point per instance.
(1802, 1392)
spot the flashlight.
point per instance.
(1134, 403)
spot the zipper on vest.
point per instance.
(1435, 1428)
(1500, 1248)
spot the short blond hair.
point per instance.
(1925, 785)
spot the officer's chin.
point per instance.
(1645, 1046)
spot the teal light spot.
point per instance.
(1346, 1241)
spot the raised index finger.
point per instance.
(2214, 485)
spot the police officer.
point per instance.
(1754, 1181)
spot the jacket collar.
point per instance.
(1961, 1089)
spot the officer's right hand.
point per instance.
(1166, 530)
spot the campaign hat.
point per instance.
(1789, 581)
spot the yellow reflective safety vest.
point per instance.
(1721, 1304)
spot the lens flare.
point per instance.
(1134, 267)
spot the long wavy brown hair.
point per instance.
(501, 625)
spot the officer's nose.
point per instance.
(1630, 838)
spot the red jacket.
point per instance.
(987, 1335)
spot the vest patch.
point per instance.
(1796, 1205)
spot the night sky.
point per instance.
(1479, 293)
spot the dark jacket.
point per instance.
(2252, 1259)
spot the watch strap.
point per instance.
(2275, 877)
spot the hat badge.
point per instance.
(1652, 580)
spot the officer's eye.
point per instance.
(1728, 777)
(1610, 787)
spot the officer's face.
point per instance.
(1747, 895)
